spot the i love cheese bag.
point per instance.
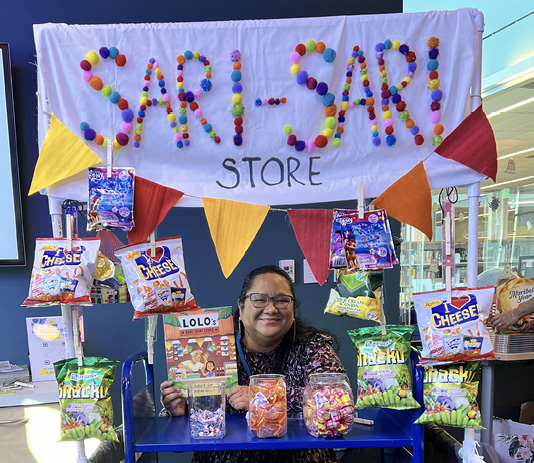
(157, 284)
(60, 275)
(450, 395)
(454, 331)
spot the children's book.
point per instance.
(200, 347)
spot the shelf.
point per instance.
(514, 357)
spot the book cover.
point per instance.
(200, 347)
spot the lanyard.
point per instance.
(244, 361)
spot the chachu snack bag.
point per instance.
(356, 294)
(450, 395)
(84, 398)
(383, 373)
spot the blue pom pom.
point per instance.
(322, 88)
(385, 101)
(396, 98)
(391, 140)
(328, 99)
(152, 60)
(188, 55)
(342, 119)
(379, 47)
(182, 119)
(337, 135)
(376, 141)
(104, 52)
(237, 87)
(136, 144)
(404, 49)
(300, 145)
(205, 85)
(114, 97)
(302, 77)
(257, 101)
(89, 134)
(128, 115)
(207, 128)
(433, 53)
(329, 56)
(387, 44)
(238, 140)
(432, 64)
(113, 52)
(179, 144)
(414, 130)
(362, 102)
(436, 95)
(148, 72)
(173, 124)
(161, 83)
(163, 91)
(412, 67)
(187, 142)
(84, 126)
(141, 113)
(236, 75)
(393, 90)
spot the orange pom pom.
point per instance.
(236, 65)
(433, 42)
(96, 83)
(180, 59)
(438, 129)
(320, 47)
(330, 111)
(409, 123)
(99, 140)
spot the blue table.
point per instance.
(144, 432)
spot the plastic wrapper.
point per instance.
(267, 405)
(60, 276)
(384, 378)
(454, 331)
(157, 284)
(450, 395)
(86, 408)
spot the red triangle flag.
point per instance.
(472, 144)
(151, 204)
(313, 228)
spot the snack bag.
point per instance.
(156, 284)
(450, 395)
(337, 250)
(110, 199)
(86, 409)
(356, 295)
(455, 331)
(383, 373)
(60, 276)
(511, 293)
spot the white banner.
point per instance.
(195, 151)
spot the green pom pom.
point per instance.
(336, 142)
(346, 86)
(357, 101)
(212, 134)
(310, 46)
(161, 102)
(238, 110)
(175, 129)
(384, 80)
(330, 123)
(207, 68)
(288, 130)
(437, 140)
(106, 90)
(183, 110)
(404, 116)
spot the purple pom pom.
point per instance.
(300, 145)
(414, 130)
(89, 134)
(376, 141)
(396, 98)
(186, 142)
(302, 77)
(379, 47)
(436, 95)
(189, 97)
(322, 88)
(238, 140)
(237, 87)
(404, 49)
(412, 67)
(235, 55)
(433, 53)
(104, 52)
(128, 115)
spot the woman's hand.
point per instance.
(503, 320)
(238, 397)
(172, 399)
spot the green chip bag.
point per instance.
(383, 373)
(84, 398)
(450, 393)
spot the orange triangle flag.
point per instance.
(233, 225)
(61, 148)
(409, 200)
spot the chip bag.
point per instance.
(450, 395)
(383, 373)
(454, 331)
(156, 284)
(86, 409)
(60, 276)
(356, 295)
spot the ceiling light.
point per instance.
(506, 183)
(509, 108)
(516, 153)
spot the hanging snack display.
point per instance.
(356, 294)
(110, 199)
(60, 275)
(361, 243)
(157, 284)
(454, 331)
(267, 405)
(383, 374)
(86, 409)
(450, 395)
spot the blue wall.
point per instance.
(109, 329)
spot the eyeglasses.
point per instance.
(260, 300)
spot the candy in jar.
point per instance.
(267, 405)
(328, 405)
(206, 410)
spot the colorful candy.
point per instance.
(268, 405)
(207, 423)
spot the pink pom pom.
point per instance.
(179, 73)
(351, 104)
(435, 116)
(166, 97)
(198, 113)
(388, 122)
(197, 92)
(155, 65)
(310, 144)
(126, 127)
(177, 137)
(264, 101)
(342, 124)
(87, 75)
(294, 57)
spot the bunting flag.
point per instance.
(409, 200)
(313, 228)
(62, 155)
(472, 144)
(151, 204)
(233, 225)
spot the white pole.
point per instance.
(152, 319)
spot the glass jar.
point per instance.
(267, 405)
(207, 410)
(328, 405)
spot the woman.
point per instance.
(270, 339)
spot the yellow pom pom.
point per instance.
(158, 71)
(374, 128)
(383, 73)
(179, 85)
(434, 84)
(92, 57)
(295, 69)
(344, 105)
(138, 132)
(237, 98)
(143, 100)
(116, 145)
(184, 128)
(171, 117)
(395, 45)
(196, 55)
(407, 80)
(386, 114)
(328, 132)
(352, 60)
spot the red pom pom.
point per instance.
(321, 141)
(404, 83)
(301, 49)
(122, 104)
(401, 106)
(433, 75)
(122, 139)
(120, 60)
(193, 106)
(239, 129)
(389, 130)
(410, 57)
(140, 121)
(185, 135)
(238, 121)
(419, 139)
(85, 65)
(149, 102)
(292, 140)
(217, 139)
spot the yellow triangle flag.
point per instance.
(233, 226)
(62, 155)
(409, 200)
